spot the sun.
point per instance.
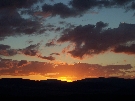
(64, 78)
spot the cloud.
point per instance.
(35, 46)
(89, 4)
(24, 67)
(87, 40)
(10, 52)
(133, 5)
(17, 25)
(50, 27)
(57, 29)
(62, 22)
(100, 25)
(95, 39)
(51, 43)
(60, 9)
(6, 64)
(125, 49)
(64, 11)
(29, 41)
(77, 70)
(79, 7)
(4, 47)
(22, 63)
(54, 54)
(121, 2)
(11, 21)
(14, 4)
(47, 57)
(11, 24)
(3, 64)
(31, 50)
(43, 14)
(5, 50)
(83, 5)
(27, 26)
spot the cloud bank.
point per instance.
(78, 70)
(79, 7)
(11, 21)
(31, 50)
(95, 39)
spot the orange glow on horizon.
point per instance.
(64, 78)
(40, 77)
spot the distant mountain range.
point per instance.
(89, 87)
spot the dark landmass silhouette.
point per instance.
(89, 87)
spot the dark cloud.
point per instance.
(40, 14)
(121, 2)
(29, 41)
(5, 50)
(100, 25)
(62, 22)
(125, 49)
(31, 50)
(6, 64)
(12, 23)
(47, 57)
(13, 4)
(10, 52)
(35, 46)
(22, 63)
(51, 43)
(54, 54)
(50, 27)
(133, 5)
(4, 47)
(89, 40)
(80, 7)
(57, 29)
(67, 27)
(60, 9)
(83, 5)
(27, 68)
(3, 65)
(88, 4)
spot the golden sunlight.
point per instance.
(64, 78)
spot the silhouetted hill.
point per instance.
(17, 87)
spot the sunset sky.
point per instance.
(67, 39)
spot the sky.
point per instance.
(67, 39)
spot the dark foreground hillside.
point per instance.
(54, 89)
